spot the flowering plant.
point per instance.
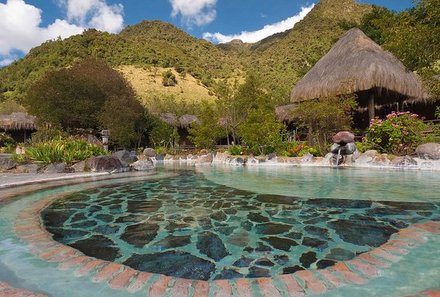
(400, 133)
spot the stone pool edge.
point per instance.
(30, 228)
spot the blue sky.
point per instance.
(28, 23)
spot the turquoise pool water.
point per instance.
(232, 222)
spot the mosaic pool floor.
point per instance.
(189, 227)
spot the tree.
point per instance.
(163, 135)
(325, 116)
(90, 94)
(207, 131)
(169, 79)
(261, 131)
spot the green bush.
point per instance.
(62, 150)
(169, 79)
(399, 134)
(7, 143)
(236, 150)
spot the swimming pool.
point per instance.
(225, 225)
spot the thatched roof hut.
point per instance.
(284, 113)
(357, 65)
(187, 120)
(169, 118)
(17, 121)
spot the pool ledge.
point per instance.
(358, 271)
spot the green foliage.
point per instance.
(301, 149)
(88, 95)
(236, 150)
(163, 135)
(10, 105)
(207, 131)
(324, 117)
(7, 143)
(399, 134)
(412, 35)
(437, 112)
(261, 131)
(169, 79)
(45, 134)
(62, 150)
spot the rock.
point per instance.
(362, 233)
(307, 158)
(405, 161)
(280, 243)
(258, 272)
(290, 270)
(343, 137)
(142, 165)
(338, 254)
(140, 234)
(257, 218)
(55, 168)
(272, 156)
(173, 263)
(97, 246)
(264, 262)
(325, 263)
(172, 241)
(315, 243)
(208, 158)
(308, 259)
(105, 163)
(228, 274)
(243, 262)
(79, 167)
(429, 151)
(272, 228)
(6, 163)
(28, 168)
(149, 152)
(126, 156)
(367, 157)
(211, 245)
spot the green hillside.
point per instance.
(280, 59)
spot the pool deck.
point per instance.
(118, 277)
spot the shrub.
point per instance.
(169, 79)
(301, 149)
(400, 133)
(62, 150)
(7, 143)
(236, 150)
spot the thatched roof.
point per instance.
(168, 118)
(284, 113)
(356, 64)
(17, 121)
(187, 120)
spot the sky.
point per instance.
(25, 24)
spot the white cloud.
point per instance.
(21, 28)
(266, 31)
(194, 12)
(95, 14)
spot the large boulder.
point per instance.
(207, 158)
(429, 151)
(143, 165)
(79, 167)
(126, 156)
(405, 161)
(343, 137)
(6, 163)
(28, 168)
(55, 168)
(149, 152)
(105, 164)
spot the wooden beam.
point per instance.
(371, 112)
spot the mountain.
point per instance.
(154, 46)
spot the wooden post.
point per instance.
(371, 113)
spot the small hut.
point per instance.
(18, 124)
(357, 65)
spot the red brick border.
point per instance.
(360, 270)
(8, 291)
